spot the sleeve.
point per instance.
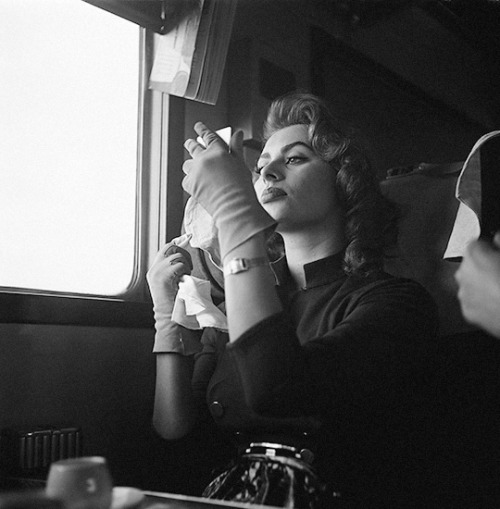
(213, 341)
(371, 357)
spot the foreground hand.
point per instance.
(169, 267)
(171, 263)
(478, 279)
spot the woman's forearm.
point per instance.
(250, 295)
(174, 411)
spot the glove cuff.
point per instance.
(173, 338)
(240, 227)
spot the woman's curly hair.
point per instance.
(371, 218)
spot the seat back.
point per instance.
(426, 199)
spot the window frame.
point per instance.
(158, 217)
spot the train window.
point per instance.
(69, 163)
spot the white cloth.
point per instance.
(194, 308)
(468, 191)
(199, 224)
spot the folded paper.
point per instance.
(468, 191)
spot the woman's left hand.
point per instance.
(171, 263)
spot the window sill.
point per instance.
(68, 310)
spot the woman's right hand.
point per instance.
(218, 179)
(216, 171)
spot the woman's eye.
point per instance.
(294, 159)
(257, 169)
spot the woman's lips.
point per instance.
(271, 193)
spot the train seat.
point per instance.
(467, 384)
(425, 195)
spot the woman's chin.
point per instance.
(275, 209)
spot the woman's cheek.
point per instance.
(259, 187)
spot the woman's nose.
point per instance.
(271, 171)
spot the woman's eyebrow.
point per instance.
(286, 148)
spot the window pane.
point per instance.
(68, 131)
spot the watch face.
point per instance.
(237, 265)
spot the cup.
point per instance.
(81, 483)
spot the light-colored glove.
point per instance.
(221, 183)
(169, 266)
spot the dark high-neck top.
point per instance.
(344, 363)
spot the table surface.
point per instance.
(160, 500)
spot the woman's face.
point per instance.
(294, 185)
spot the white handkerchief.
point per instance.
(194, 308)
(199, 224)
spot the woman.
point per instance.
(325, 352)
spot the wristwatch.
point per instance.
(237, 265)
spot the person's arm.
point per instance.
(174, 412)
(174, 347)
(383, 343)
(478, 279)
(250, 295)
(219, 180)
